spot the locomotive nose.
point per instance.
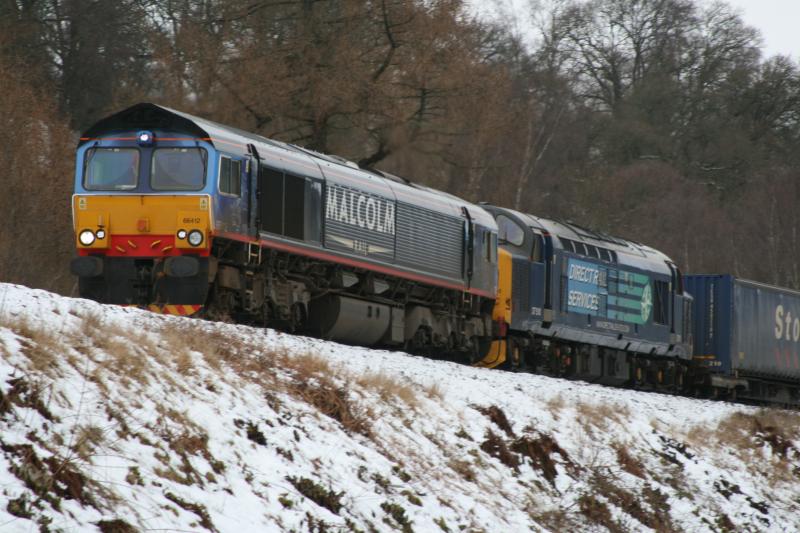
(142, 225)
(144, 250)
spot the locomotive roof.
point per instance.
(148, 116)
(628, 252)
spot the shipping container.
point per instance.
(745, 329)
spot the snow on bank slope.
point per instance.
(119, 420)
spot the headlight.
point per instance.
(101, 234)
(195, 237)
(145, 138)
(87, 237)
(181, 233)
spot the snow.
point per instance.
(177, 424)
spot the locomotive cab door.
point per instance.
(676, 281)
(549, 279)
(469, 246)
(234, 190)
(539, 287)
(253, 191)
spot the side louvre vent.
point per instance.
(520, 285)
(429, 240)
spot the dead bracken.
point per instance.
(498, 418)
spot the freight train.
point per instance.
(182, 215)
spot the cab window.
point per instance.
(111, 169)
(538, 248)
(230, 176)
(660, 302)
(178, 169)
(487, 246)
(509, 231)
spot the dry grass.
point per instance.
(628, 462)
(649, 506)
(29, 394)
(434, 391)
(40, 346)
(179, 343)
(116, 525)
(123, 359)
(764, 440)
(596, 512)
(388, 388)
(141, 340)
(600, 415)
(315, 382)
(184, 363)
(462, 468)
(497, 416)
(740, 431)
(306, 376)
(87, 439)
(184, 438)
(555, 405)
(51, 479)
(113, 350)
(558, 519)
(306, 365)
(540, 450)
(183, 337)
(334, 401)
(496, 447)
(91, 323)
(131, 357)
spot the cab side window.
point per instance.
(538, 248)
(661, 302)
(230, 176)
(509, 231)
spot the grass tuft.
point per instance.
(629, 463)
(116, 525)
(196, 508)
(498, 418)
(318, 494)
(496, 447)
(539, 449)
(388, 388)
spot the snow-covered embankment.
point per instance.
(119, 420)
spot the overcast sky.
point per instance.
(778, 21)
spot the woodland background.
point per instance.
(655, 120)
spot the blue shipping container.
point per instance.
(745, 328)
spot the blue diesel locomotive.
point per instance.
(593, 306)
(184, 215)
